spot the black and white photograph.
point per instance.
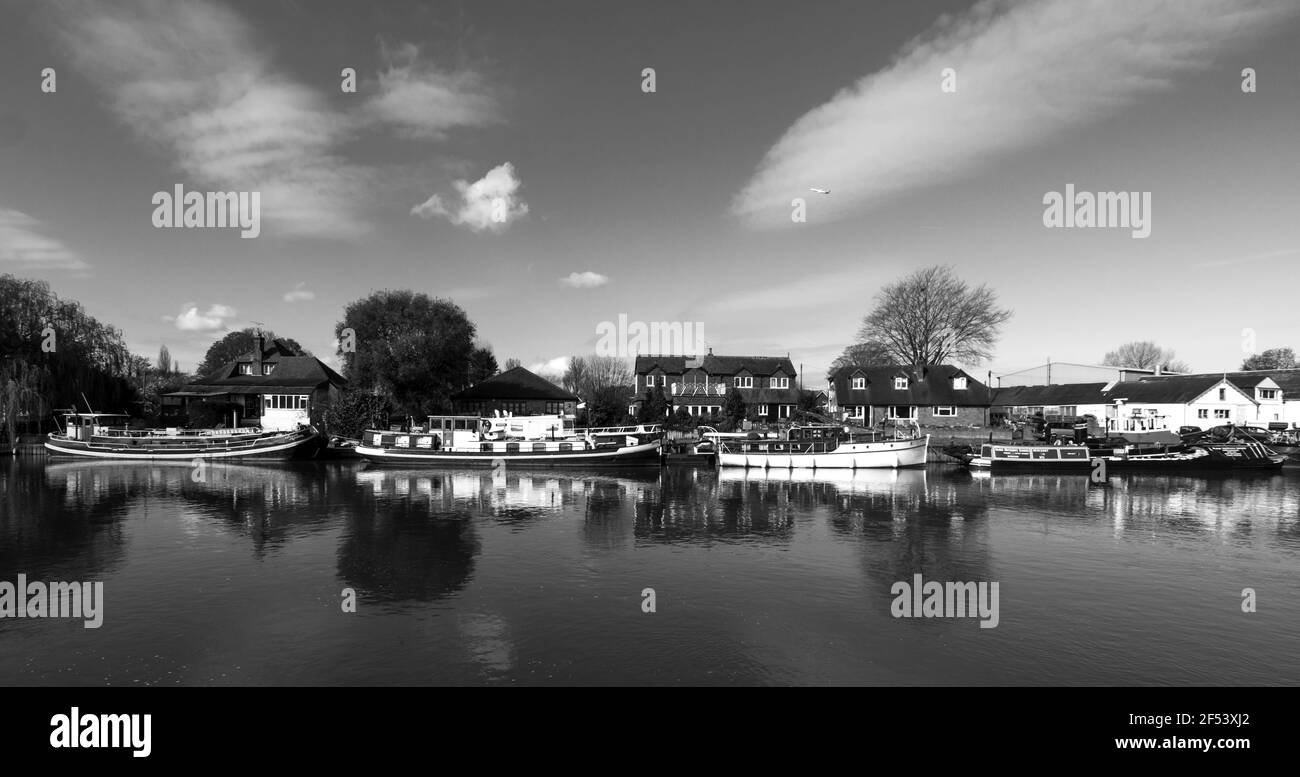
(728, 343)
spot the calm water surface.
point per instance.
(536, 577)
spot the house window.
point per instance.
(942, 410)
(859, 383)
(252, 406)
(302, 402)
(1203, 413)
(1223, 414)
(902, 411)
(1223, 395)
(245, 368)
(267, 399)
(631, 409)
(858, 411)
(762, 409)
(1268, 393)
(746, 382)
(781, 383)
(900, 384)
(1069, 409)
(958, 384)
(785, 410)
(267, 369)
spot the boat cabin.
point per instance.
(84, 426)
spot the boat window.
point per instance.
(539, 446)
(566, 446)
(512, 447)
(485, 447)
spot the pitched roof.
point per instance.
(1173, 389)
(517, 383)
(926, 386)
(1058, 394)
(291, 369)
(716, 365)
(1288, 380)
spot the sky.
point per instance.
(508, 156)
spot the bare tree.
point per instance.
(932, 316)
(511, 363)
(587, 376)
(868, 354)
(1144, 355)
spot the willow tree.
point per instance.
(933, 317)
(22, 389)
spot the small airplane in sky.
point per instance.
(820, 191)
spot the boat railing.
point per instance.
(597, 431)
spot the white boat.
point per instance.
(825, 447)
(536, 441)
(107, 436)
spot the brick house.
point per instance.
(271, 386)
(939, 395)
(701, 383)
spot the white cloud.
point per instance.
(423, 102)
(490, 203)
(192, 320)
(1024, 72)
(550, 368)
(584, 280)
(23, 245)
(299, 293)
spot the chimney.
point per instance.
(1157, 369)
(259, 343)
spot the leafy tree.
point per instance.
(869, 354)
(1272, 359)
(932, 317)
(354, 412)
(236, 344)
(654, 406)
(67, 356)
(681, 420)
(733, 408)
(411, 348)
(482, 365)
(164, 360)
(1145, 355)
(606, 407)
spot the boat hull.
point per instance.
(642, 455)
(891, 454)
(296, 445)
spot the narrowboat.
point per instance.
(107, 436)
(534, 441)
(825, 446)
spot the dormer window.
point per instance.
(958, 383)
(245, 368)
(743, 382)
(900, 384)
(780, 383)
(1268, 393)
(267, 369)
(859, 383)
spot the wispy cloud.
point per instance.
(490, 203)
(193, 81)
(24, 247)
(1025, 70)
(191, 319)
(421, 101)
(299, 293)
(1260, 257)
(584, 280)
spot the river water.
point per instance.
(240, 575)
